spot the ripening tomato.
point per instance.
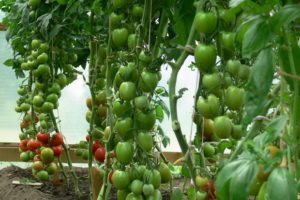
(165, 173)
(111, 173)
(100, 154)
(23, 145)
(120, 179)
(33, 144)
(206, 22)
(124, 152)
(38, 165)
(201, 181)
(47, 155)
(209, 188)
(42, 137)
(57, 150)
(205, 57)
(57, 139)
(24, 124)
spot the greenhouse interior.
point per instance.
(150, 99)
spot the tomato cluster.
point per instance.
(221, 98)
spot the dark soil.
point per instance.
(47, 191)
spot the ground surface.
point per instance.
(47, 191)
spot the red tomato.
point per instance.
(42, 137)
(23, 145)
(100, 154)
(33, 145)
(209, 188)
(96, 145)
(24, 124)
(87, 138)
(38, 151)
(57, 139)
(57, 150)
(111, 173)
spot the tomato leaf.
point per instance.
(185, 172)
(281, 185)
(159, 113)
(224, 177)
(284, 16)
(256, 37)
(9, 62)
(191, 193)
(273, 131)
(165, 139)
(164, 107)
(258, 85)
(241, 183)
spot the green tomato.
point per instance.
(24, 156)
(145, 141)
(55, 88)
(201, 195)
(127, 91)
(43, 69)
(128, 72)
(205, 57)
(244, 72)
(47, 106)
(35, 43)
(52, 98)
(210, 107)
(132, 196)
(165, 173)
(120, 37)
(237, 132)
(156, 179)
(148, 189)
(120, 109)
(120, 179)
(212, 82)
(22, 136)
(222, 127)
(43, 58)
(227, 40)
(85, 154)
(141, 103)
(136, 187)
(208, 150)
(124, 127)
(119, 3)
(115, 20)
(145, 121)
(25, 107)
(148, 81)
(206, 22)
(22, 91)
(124, 152)
(51, 168)
(131, 41)
(42, 175)
(262, 192)
(44, 46)
(122, 194)
(235, 98)
(78, 152)
(62, 80)
(137, 11)
(233, 66)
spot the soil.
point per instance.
(10, 191)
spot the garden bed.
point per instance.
(47, 191)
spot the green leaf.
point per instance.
(223, 179)
(185, 172)
(281, 185)
(165, 139)
(164, 107)
(9, 62)
(241, 183)
(284, 16)
(191, 193)
(55, 30)
(273, 131)
(177, 194)
(257, 36)
(159, 113)
(258, 85)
